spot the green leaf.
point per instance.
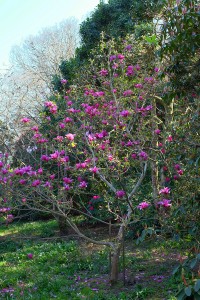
(197, 285)
(181, 295)
(176, 270)
(188, 291)
(193, 263)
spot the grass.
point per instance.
(71, 269)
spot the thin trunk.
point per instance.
(115, 265)
(62, 225)
(154, 162)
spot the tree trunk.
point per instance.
(114, 273)
(62, 225)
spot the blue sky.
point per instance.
(21, 18)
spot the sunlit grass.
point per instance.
(74, 270)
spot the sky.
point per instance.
(21, 18)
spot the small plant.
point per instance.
(188, 274)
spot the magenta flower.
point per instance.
(35, 183)
(67, 180)
(120, 194)
(96, 197)
(45, 158)
(30, 255)
(63, 81)
(169, 138)
(165, 203)
(143, 155)
(143, 205)
(94, 170)
(83, 184)
(138, 86)
(70, 136)
(120, 56)
(103, 72)
(127, 93)
(165, 191)
(25, 120)
(157, 131)
(124, 113)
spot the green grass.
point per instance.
(70, 270)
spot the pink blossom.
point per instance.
(165, 191)
(128, 47)
(120, 56)
(67, 120)
(112, 57)
(96, 197)
(180, 172)
(70, 136)
(94, 170)
(167, 179)
(67, 180)
(69, 103)
(63, 81)
(103, 72)
(67, 187)
(177, 167)
(120, 194)
(22, 181)
(156, 69)
(138, 86)
(169, 138)
(30, 255)
(124, 113)
(45, 157)
(127, 93)
(83, 184)
(165, 203)
(36, 183)
(62, 125)
(40, 171)
(143, 155)
(157, 131)
(52, 177)
(25, 120)
(35, 128)
(134, 155)
(143, 205)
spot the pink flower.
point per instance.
(165, 203)
(103, 72)
(120, 194)
(143, 155)
(25, 120)
(138, 86)
(45, 157)
(177, 167)
(124, 113)
(143, 205)
(70, 136)
(157, 131)
(120, 56)
(83, 184)
(35, 183)
(180, 172)
(127, 93)
(170, 139)
(22, 181)
(95, 197)
(165, 191)
(67, 180)
(63, 81)
(30, 255)
(40, 171)
(52, 177)
(94, 170)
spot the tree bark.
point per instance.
(114, 273)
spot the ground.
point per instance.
(37, 263)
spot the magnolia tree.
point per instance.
(96, 143)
